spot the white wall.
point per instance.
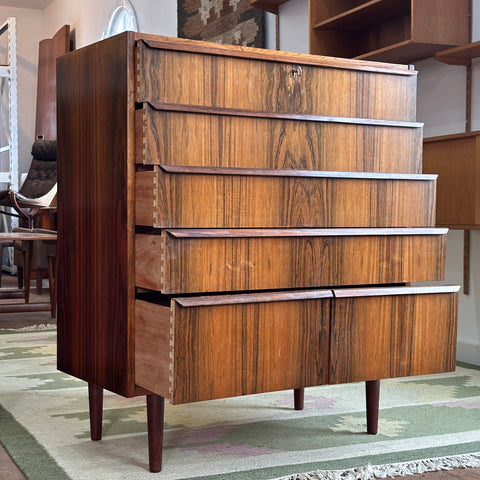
(88, 18)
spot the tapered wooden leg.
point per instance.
(298, 397)
(95, 401)
(155, 415)
(372, 390)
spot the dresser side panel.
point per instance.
(95, 233)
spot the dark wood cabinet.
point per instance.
(219, 205)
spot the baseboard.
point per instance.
(468, 352)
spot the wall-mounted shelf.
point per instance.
(365, 15)
(462, 55)
(456, 160)
(268, 5)
(400, 31)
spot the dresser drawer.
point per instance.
(173, 134)
(385, 333)
(189, 73)
(200, 348)
(221, 346)
(200, 197)
(189, 261)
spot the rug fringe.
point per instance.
(32, 328)
(370, 472)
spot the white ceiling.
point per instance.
(35, 4)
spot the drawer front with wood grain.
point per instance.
(272, 82)
(386, 333)
(237, 260)
(201, 348)
(175, 135)
(201, 197)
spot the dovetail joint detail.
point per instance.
(172, 356)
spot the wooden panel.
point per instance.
(223, 346)
(95, 231)
(456, 160)
(365, 14)
(304, 143)
(381, 334)
(402, 31)
(441, 21)
(153, 332)
(228, 350)
(48, 51)
(260, 260)
(268, 5)
(168, 76)
(462, 55)
(189, 197)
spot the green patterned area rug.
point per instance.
(44, 426)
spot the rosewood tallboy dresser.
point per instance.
(235, 221)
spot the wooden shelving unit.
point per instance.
(268, 5)
(365, 15)
(462, 55)
(400, 31)
(456, 160)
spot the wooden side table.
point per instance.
(27, 236)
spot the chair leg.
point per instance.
(52, 281)
(39, 282)
(20, 277)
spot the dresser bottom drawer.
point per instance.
(390, 332)
(201, 348)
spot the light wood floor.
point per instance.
(9, 471)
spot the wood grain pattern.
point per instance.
(456, 160)
(237, 51)
(196, 200)
(269, 86)
(172, 137)
(153, 335)
(171, 264)
(387, 31)
(96, 221)
(462, 55)
(46, 112)
(191, 347)
(229, 350)
(375, 337)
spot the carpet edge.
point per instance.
(370, 472)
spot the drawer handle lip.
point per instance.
(298, 295)
(200, 170)
(376, 292)
(299, 232)
(305, 117)
(244, 298)
(195, 46)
